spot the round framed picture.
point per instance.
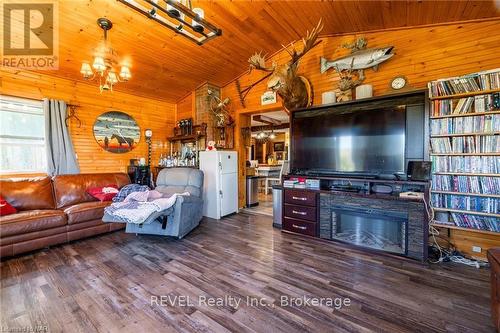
(116, 132)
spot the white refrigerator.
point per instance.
(220, 186)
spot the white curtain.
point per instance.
(61, 157)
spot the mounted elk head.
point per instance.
(295, 90)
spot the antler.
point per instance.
(309, 42)
(257, 61)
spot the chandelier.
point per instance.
(264, 136)
(105, 60)
(179, 16)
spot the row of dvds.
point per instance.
(488, 80)
(476, 222)
(461, 202)
(475, 124)
(469, 164)
(481, 103)
(466, 144)
(466, 184)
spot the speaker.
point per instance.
(419, 170)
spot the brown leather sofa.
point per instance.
(53, 211)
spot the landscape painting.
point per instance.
(116, 132)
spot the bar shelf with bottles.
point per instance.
(465, 146)
(185, 144)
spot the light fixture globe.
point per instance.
(200, 13)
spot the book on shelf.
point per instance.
(481, 81)
(466, 164)
(476, 222)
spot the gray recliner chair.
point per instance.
(187, 211)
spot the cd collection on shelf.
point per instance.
(477, 82)
(472, 203)
(474, 124)
(469, 105)
(466, 184)
(476, 222)
(466, 164)
(466, 144)
(465, 150)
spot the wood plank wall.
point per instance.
(155, 114)
(423, 54)
(185, 108)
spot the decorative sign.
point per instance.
(116, 132)
(269, 97)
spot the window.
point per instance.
(22, 136)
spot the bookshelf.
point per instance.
(465, 151)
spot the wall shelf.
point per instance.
(486, 195)
(454, 227)
(455, 217)
(463, 134)
(477, 174)
(469, 94)
(471, 212)
(470, 114)
(465, 154)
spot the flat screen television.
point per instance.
(361, 142)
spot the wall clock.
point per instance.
(116, 132)
(399, 82)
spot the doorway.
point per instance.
(266, 159)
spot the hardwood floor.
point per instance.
(106, 284)
(265, 206)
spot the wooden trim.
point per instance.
(454, 227)
(468, 174)
(465, 154)
(464, 134)
(470, 114)
(470, 212)
(269, 127)
(468, 94)
(467, 194)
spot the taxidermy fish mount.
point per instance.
(351, 67)
(294, 89)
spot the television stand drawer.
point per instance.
(300, 212)
(300, 226)
(300, 197)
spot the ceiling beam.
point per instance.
(269, 127)
(266, 120)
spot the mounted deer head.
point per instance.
(295, 90)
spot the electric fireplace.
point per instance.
(371, 228)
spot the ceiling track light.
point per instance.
(179, 16)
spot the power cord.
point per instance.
(451, 254)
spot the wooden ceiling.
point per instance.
(168, 66)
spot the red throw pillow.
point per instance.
(99, 194)
(6, 208)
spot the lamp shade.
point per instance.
(125, 73)
(112, 78)
(99, 64)
(86, 70)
